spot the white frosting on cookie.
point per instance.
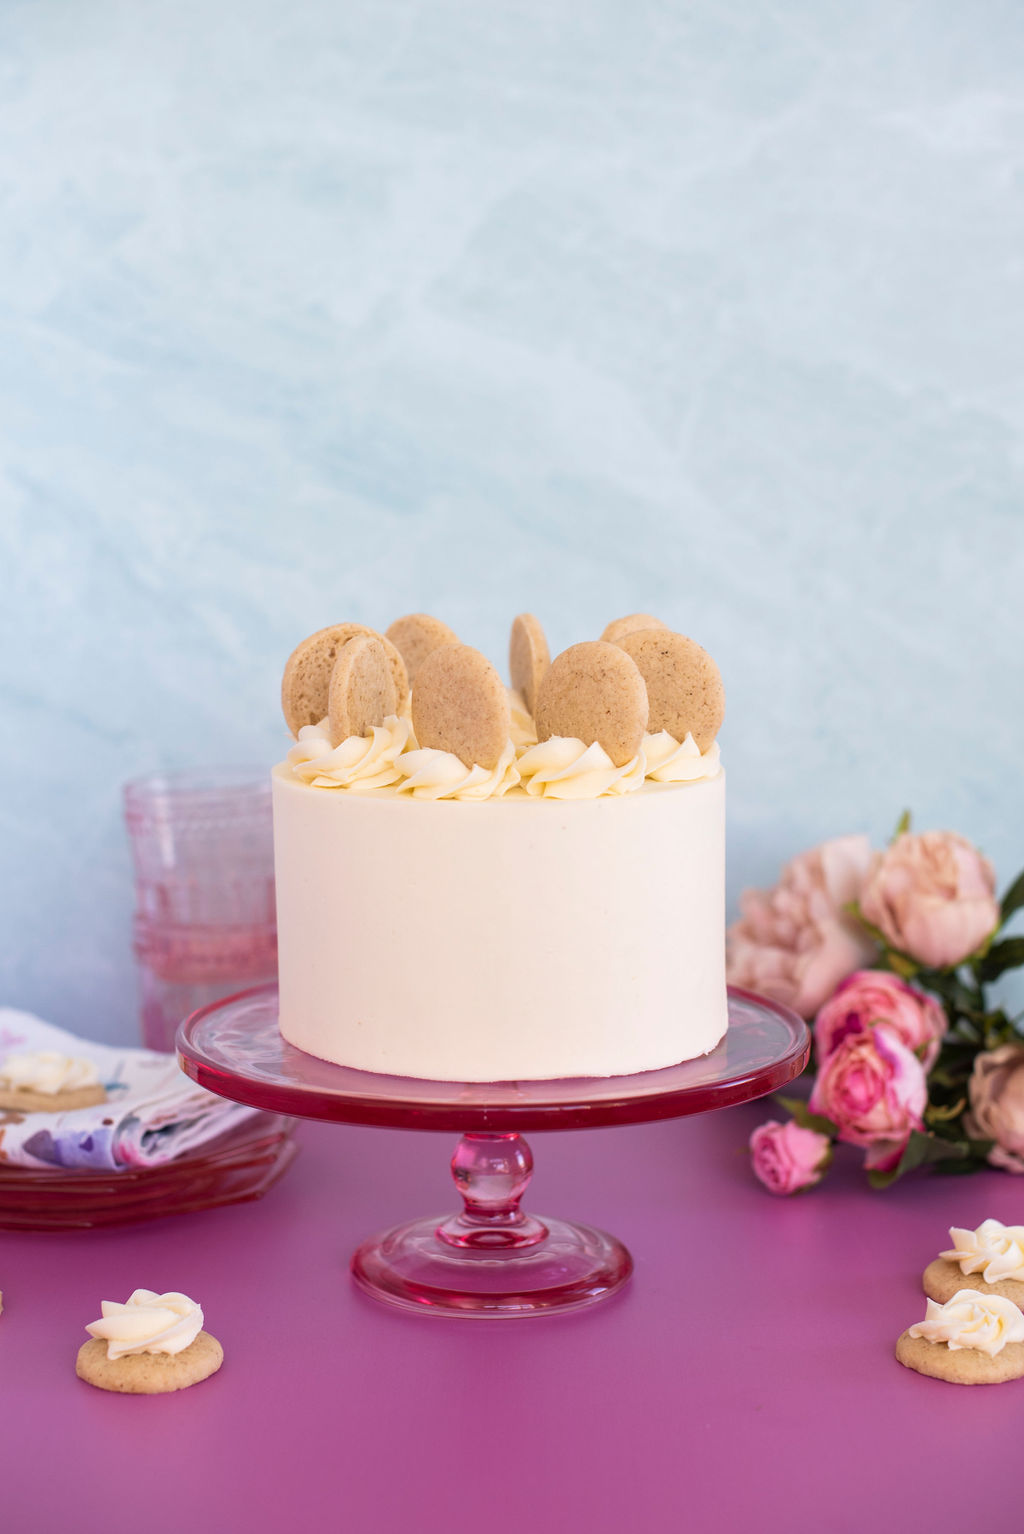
(148, 1323)
(47, 1071)
(984, 1322)
(994, 1250)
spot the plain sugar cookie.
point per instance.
(528, 657)
(27, 1100)
(362, 691)
(942, 1279)
(149, 1374)
(962, 1366)
(684, 686)
(594, 692)
(306, 684)
(459, 704)
(416, 636)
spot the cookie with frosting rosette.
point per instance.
(973, 1339)
(989, 1260)
(150, 1345)
(46, 1081)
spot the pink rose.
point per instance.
(996, 1092)
(873, 996)
(787, 1158)
(873, 1089)
(795, 943)
(932, 896)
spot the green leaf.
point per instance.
(798, 1109)
(921, 1150)
(901, 964)
(1009, 954)
(902, 826)
(1013, 899)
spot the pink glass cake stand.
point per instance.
(490, 1259)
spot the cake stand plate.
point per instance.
(490, 1259)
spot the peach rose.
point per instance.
(872, 1087)
(996, 1092)
(795, 943)
(871, 996)
(932, 896)
(787, 1158)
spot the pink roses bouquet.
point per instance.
(914, 1063)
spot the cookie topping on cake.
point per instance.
(620, 627)
(642, 704)
(417, 636)
(362, 693)
(528, 658)
(460, 705)
(683, 684)
(306, 685)
(594, 692)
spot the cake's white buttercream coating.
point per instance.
(512, 939)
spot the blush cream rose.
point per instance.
(932, 896)
(796, 942)
(996, 1094)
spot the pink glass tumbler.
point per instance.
(205, 923)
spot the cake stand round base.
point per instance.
(412, 1268)
(492, 1258)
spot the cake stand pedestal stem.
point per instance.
(492, 1172)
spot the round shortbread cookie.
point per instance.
(460, 704)
(25, 1100)
(306, 684)
(683, 683)
(362, 691)
(416, 636)
(942, 1279)
(594, 692)
(962, 1366)
(528, 657)
(149, 1374)
(620, 627)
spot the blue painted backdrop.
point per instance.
(340, 310)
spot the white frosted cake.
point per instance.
(471, 889)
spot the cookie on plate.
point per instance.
(45, 1081)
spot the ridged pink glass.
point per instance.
(490, 1258)
(205, 923)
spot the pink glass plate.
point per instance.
(490, 1259)
(240, 1166)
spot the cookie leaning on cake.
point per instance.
(416, 711)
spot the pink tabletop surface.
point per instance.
(744, 1380)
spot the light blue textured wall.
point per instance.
(345, 309)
